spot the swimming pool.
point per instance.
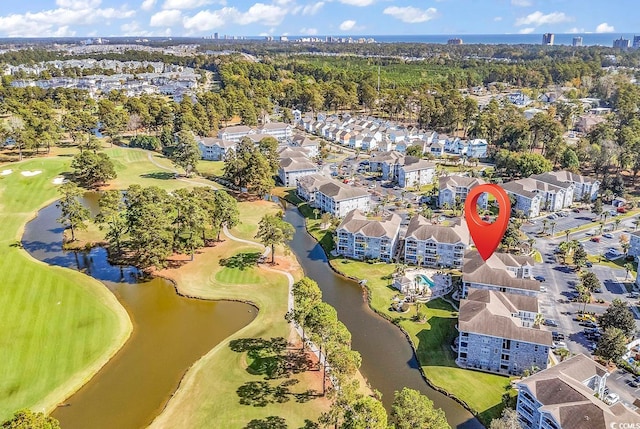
(425, 280)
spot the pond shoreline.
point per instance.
(366, 293)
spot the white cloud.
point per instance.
(521, 3)
(604, 28)
(185, 4)
(347, 25)
(309, 31)
(410, 14)
(313, 8)
(166, 18)
(53, 22)
(207, 20)
(497, 19)
(78, 4)
(576, 30)
(148, 4)
(359, 3)
(527, 30)
(538, 18)
(266, 14)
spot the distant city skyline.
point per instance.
(175, 18)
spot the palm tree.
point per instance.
(617, 222)
(566, 234)
(636, 223)
(544, 226)
(539, 320)
(531, 242)
(316, 212)
(553, 227)
(601, 227)
(420, 258)
(627, 267)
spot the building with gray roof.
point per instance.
(360, 237)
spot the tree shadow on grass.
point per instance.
(241, 261)
(261, 393)
(160, 175)
(270, 357)
(271, 422)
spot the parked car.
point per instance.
(589, 324)
(595, 239)
(557, 336)
(589, 264)
(550, 322)
(540, 278)
(611, 398)
(607, 235)
(590, 233)
(576, 210)
(633, 383)
(543, 289)
(559, 345)
(621, 210)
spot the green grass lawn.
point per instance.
(211, 168)
(482, 392)
(250, 214)
(57, 326)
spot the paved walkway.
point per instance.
(266, 252)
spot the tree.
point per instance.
(273, 230)
(618, 315)
(72, 212)
(580, 257)
(114, 120)
(412, 410)
(365, 413)
(414, 150)
(149, 225)
(112, 217)
(597, 206)
(624, 243)
(189, 222)
(612, 345)
(570, 160)
(270, 422)
(186, 153)
(508, 420)
(225, 212)
(306, 295)
(27, 419)
(627, 267)
(93, 169)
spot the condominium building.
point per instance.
(435, 245)
(332, 196)
(362, 238)
(548, 39)
(570, 396)
(235, 133)
(452, 187)
(279, 130)
(416, 172)
(584, 187)
(292, 169)
(502, 272)
(214, 149)
(497, 333)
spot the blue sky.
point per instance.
(39, 18)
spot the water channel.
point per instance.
(170, 333)
(388, 361)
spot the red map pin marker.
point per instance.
(486, 236)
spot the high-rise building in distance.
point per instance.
(621, 43)
(547, 39)
(454, 41)
(577, 41)
(636, 42)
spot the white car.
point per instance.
(611, 398)
(607, 235)
(559, 345)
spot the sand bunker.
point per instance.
(6, 172)
(58, 181)
(31, 173)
